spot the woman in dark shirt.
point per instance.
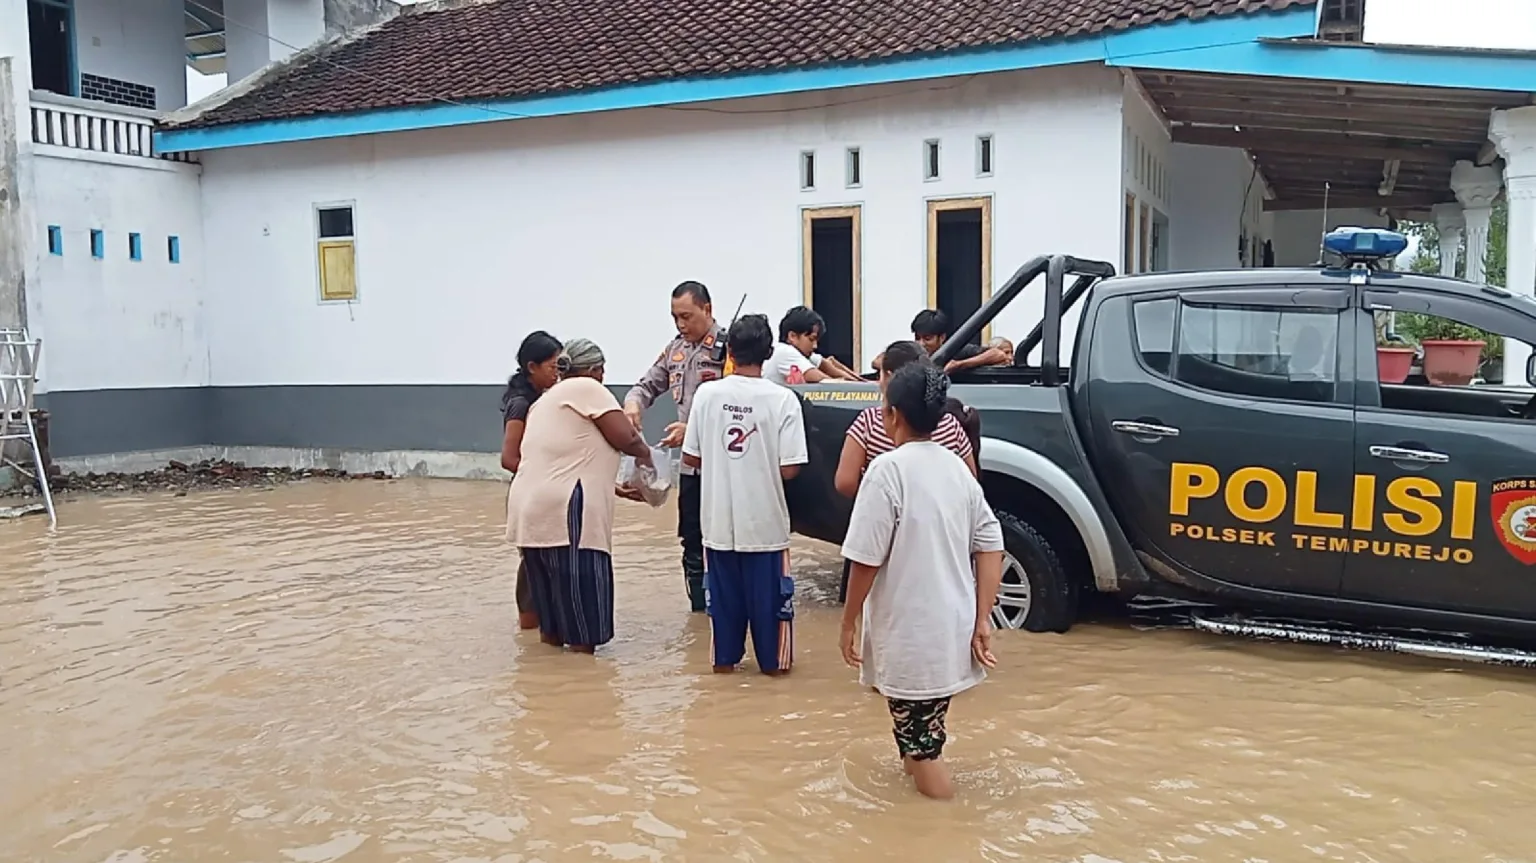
(536, 372)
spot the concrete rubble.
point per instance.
(181, 477)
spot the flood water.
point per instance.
(331, 672)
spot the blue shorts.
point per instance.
(750, 590)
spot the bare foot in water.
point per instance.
(527, 620)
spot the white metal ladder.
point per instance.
(18, 384)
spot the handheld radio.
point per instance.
(722, 350)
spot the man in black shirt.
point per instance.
(931, 329)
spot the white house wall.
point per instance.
(1217, 201)
(116, 323)
(139, 41)
(468, 238)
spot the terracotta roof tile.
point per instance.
(502, 49)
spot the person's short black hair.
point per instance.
(919, 392)
(696, 290)
(930, 322)
(801, 320)
(750, 340)
(900, 353)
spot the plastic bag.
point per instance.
(653, 482)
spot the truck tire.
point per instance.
(1037, 595)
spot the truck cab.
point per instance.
(1227, 437)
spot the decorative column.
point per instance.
(1449, 221)
(1476, 188)
(1513, 132)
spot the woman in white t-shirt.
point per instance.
(920, 529)
(867, 438)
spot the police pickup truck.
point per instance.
(1222, 439)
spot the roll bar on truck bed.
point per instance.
(1058, 299)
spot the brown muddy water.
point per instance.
(331, 672)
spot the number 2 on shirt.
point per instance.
(736, 438)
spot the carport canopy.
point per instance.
(1373, 146)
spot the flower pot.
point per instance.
(1451, 362)
(1393, 364)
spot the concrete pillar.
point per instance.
(16, 44)
(13, 237)
(1513, 132)
(1450, 222)
(1476, 188)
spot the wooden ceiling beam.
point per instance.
(1304, 144)
(1413, 137)
(1437, 136)
(1330, 89)
(1350, 200)
(1473, 123)
(1305, 105)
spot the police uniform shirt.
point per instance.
(680, 369)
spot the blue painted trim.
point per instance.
(1124, 47)
(173, 249)
(55, 240)
(135, 247)
(98, 244)
(1357, 63)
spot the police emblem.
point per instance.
(1513, 507)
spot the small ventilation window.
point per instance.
(98, 244)
(807, 170)
(55, 240)
(855, 169)
(135, 247)
(173, 249)
(984, 155)
(931, 159)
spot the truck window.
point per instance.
(1154, 332)
(1445, 364)
(1288, 354)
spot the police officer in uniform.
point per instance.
(695, 357)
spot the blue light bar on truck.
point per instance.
(1364, 244)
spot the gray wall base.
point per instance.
(404, 430)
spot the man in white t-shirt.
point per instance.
(794, 359)
(746, 436)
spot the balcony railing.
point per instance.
(80, 124)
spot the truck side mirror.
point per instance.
(1530, 370)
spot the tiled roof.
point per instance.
(498, 49)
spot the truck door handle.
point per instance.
(1131, 427)
(1397, 453)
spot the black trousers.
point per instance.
(690, 530)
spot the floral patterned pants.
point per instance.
(920, 731)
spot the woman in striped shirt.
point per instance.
(867, 437)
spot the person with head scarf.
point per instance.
(561, 503)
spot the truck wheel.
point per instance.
(1037, 594)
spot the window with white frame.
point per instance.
(336, 252)
(931, 159)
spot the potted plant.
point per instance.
(1394, 356)
(1453, 352)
